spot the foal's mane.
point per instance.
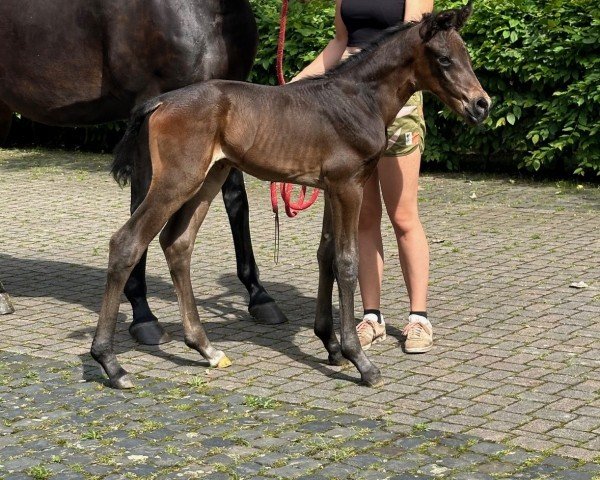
(366, 51)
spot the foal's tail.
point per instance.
(126, 150)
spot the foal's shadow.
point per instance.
(299, 308)
(82, 285)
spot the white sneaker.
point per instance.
(419, 334)
(370, 331)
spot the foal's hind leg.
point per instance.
(324, 314)
(345, 209)
(126, 248)
(261, 306)
(177, 241)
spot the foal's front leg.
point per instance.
(324, 314)
(177, 241)
(345, 209)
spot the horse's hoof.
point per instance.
(6, 305)
(338, 360)
(267, 314)
(149, 333)
(123, 382)
(220, 360)
(372, 380)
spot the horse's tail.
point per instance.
(126, 150)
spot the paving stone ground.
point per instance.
(515, 367)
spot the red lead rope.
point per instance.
(291, 208)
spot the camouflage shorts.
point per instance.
(408, 130)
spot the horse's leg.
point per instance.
(324, 314)
(345, 208)
(6, 115)
(177, 241)
(6, 305)
(144, 328)
(261, 305)
(126, 248)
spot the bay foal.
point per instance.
(327, 132)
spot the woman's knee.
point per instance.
(370, 216)
(405, 221)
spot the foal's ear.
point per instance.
(436, 22)
(463, 14)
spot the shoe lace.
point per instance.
(365, 325)
(413, 329)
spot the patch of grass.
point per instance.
(107, 460)
(39, 472)
(32, 375)
(171, 450)
(500, 455)
(176, 393)
(197, 382)
(339, 454)
(463, 448)
(92, 434)
(420, 427)
(260, 402)
(424, 447)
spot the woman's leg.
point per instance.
(370, 245)
(370, 265)
(399, 179)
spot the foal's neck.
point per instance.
(387, 72)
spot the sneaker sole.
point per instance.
(418, 349)
(377, 340)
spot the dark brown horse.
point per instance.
(327, 132)
(81, 62)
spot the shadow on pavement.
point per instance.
(75, 284)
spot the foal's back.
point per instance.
(297, 132)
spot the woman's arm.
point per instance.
(414, 9)
(332, 53)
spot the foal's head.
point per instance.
(445, 66)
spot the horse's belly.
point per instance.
(51, 60)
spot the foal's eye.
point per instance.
(444, 61)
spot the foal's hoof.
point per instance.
(6, 305)
(267, 314)
(123, 382)
(220, 361)
(338, 360)
(373, 379)
(149, 333)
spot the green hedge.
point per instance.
(538, 60)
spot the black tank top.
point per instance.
(366, 19)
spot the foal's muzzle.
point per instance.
(478, 109)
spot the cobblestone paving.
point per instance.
(167, 430)
(516, 359)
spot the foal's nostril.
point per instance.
(482, 105)
(480, 108)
